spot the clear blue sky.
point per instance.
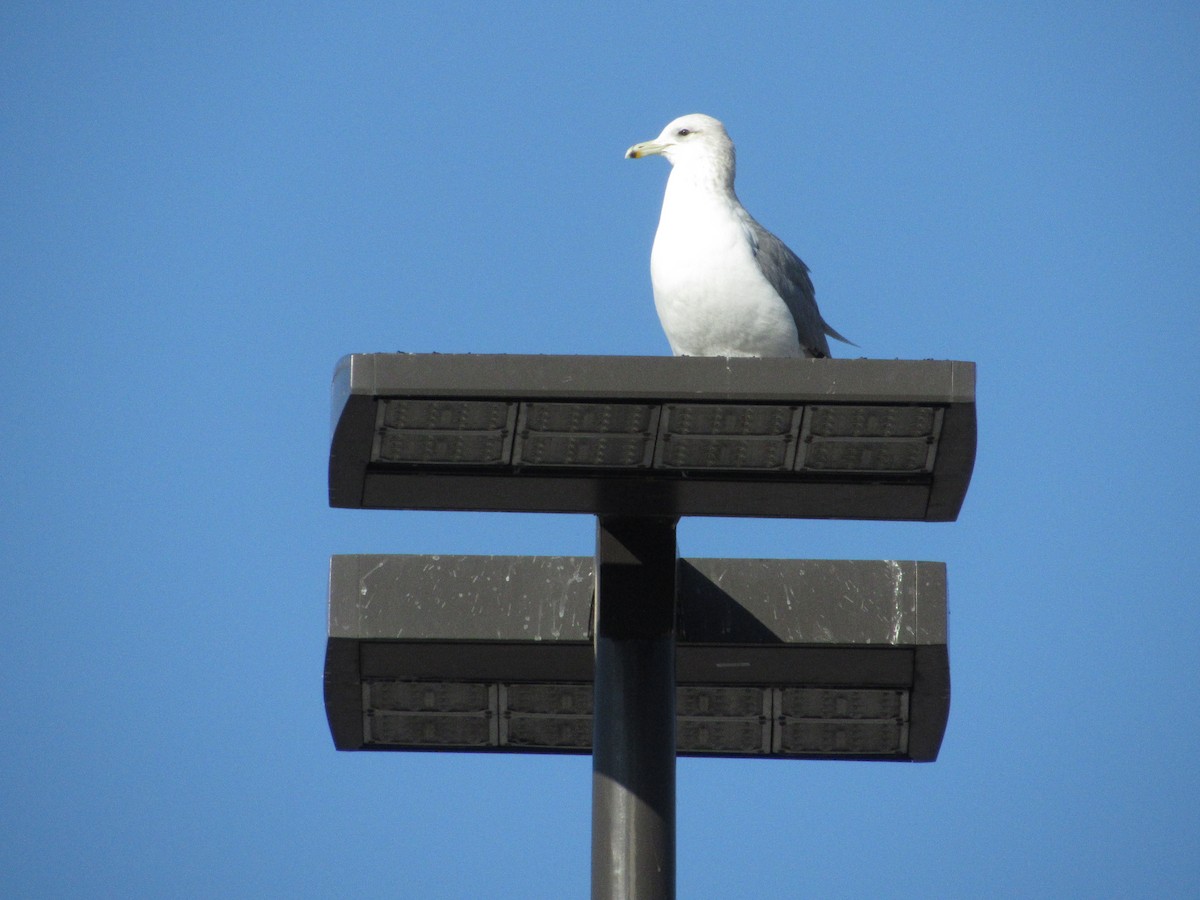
(206, 205)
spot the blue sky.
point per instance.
(206, 205)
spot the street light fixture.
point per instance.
(639, 442)
(799, 659)
(653, 436)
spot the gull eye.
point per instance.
(683, 132)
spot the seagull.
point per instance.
(723, 284)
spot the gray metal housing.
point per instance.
(871, 391)
(820, 623)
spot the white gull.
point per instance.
(723, 284)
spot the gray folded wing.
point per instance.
(788, 274)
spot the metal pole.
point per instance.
(633, 741)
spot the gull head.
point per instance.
(693, 138)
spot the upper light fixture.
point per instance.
(654, 436)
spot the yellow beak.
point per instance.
(645, 148)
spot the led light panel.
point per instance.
(872, 421)
(429, 713)
(723, 436)
(723, 736)
(841, 722)
(724, 702)
(842, 738)
(427, 730)
(673, 436)
(593, 418)
(814, 703)
(592, 435)
(710, 419)
(547, 732)
(444, 415)
(443, 432)
(677, 452)
(544, 716)
(710, 719)
(883, 439)
(427, 696)
(547, 699)
(592, 451)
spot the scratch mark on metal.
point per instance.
(362, 581)
(897, 586)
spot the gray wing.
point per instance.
(788, 274)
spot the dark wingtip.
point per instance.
(837, 337)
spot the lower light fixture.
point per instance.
(858, 672)
(720, 720)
